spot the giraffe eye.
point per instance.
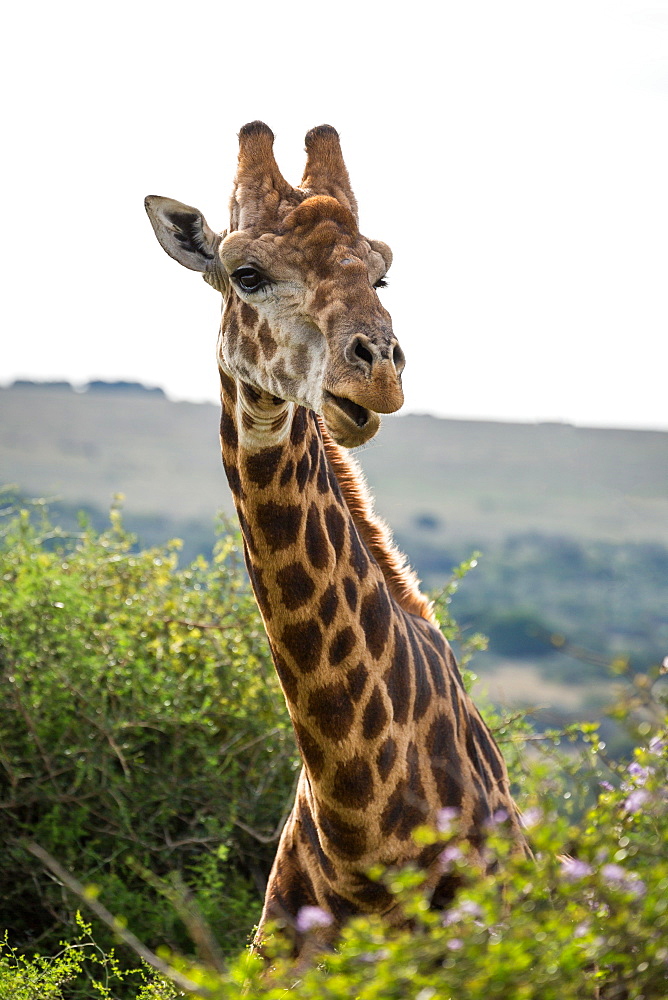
(381, 283)
(249, 278)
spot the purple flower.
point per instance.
(455, 944)
(636, 800)
(450, 855)
(445, 819)
(498, 817)
(618, 878)
(466, 908)
(532, 817)
(656, 744)
(638, 773)
(613, 874)
(573, 870)
(311, 917)
(606, 786)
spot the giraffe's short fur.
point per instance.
(386, 731)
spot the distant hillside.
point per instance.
(85, 447)
(444, 481)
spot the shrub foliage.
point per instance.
(145, 745)
(143, 729)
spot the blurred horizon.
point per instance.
(98, 382)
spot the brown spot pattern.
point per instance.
(228, 385)
(259, 588)
(233, 478)
(304, 643)
(279, 523)
(422, 698)
(314, 452)
(436, 670)
(302, 471)
(445, 891)
(317, 548)
(397, 679)
(287, 473)
(228, 430)
(386, 757)
(291, 889)
(475, 756)
(375, 715)
(285, 675)
(404, 811)
(298, 429)
(323, 478)
(445, 763)
(375, 620)
(310, 836)
(346, 840)
(374, 894)
(353, 783)
(335, 528)
(248, 349)
(263, 466)
(330, 706)
(334, 486)
(350, 590)
(356, 681)
(341, 909)
(248, 315)
(266, 341)
(341, 646)
(297, 587)
(250, 392)
(487, 747)
(358, 557)
(310, 751)
(329, 602)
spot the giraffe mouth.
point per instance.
(352, 410)
(349, 423)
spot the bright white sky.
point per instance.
(514, 155)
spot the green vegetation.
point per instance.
(145, 745)
(143, 729)
(533, 595)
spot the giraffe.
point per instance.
(307, 356)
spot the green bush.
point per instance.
(142, 729)
(590, 924)
(520, 634)
(144, 743)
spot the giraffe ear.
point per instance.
(183, 233)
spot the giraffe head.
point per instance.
(302, 319)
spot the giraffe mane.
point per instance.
(401, 579)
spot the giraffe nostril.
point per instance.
(399, 359)
(363, 353)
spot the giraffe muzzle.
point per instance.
(349, 423)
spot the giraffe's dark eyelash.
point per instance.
(381, 283)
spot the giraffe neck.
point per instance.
(325, 602)
(387, 733)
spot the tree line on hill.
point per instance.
(95, 385)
